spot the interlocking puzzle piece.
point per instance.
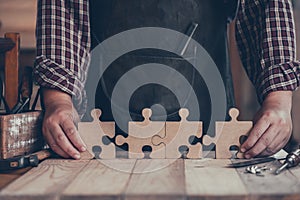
(178, 134)
(94, 133)
(140, 134)
(228, 134)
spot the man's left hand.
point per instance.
(272, 126)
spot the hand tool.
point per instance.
(7, 109)
(25, 92)
(27, 84)
(20, 106)
(253, 161)
(36, 98)
(291, 160)
(19, 162)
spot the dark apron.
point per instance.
(110, 17)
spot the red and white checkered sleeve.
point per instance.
(265, 34)
(63, 45)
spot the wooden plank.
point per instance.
(157, 179)
(8, 177)
(46, 181)
(20, 134)
(97, 181)
(271, 186)
(12, 71)
(210, 179)
(295, 171)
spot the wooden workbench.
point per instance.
(181, 179)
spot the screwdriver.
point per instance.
(291, 160)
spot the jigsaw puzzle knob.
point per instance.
(96, 113)
(234, 113)
(183, 113)
(120, 140)
(147, 112)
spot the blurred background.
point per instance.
(19, 16)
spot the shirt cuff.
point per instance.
(281, 77)
(49, 74)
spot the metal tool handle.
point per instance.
(43, 154)
(292, 160)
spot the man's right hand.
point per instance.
(59, 127)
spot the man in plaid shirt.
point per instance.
(265, 36)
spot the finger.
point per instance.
(51, 142)
(263, 143)
(63, 142)
(277, 144)
(70, 130)
(256, 132)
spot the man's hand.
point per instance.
(59, 127)
(272, 126)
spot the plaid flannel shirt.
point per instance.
(265, 36)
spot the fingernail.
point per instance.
(243, 150)
(83, 149)
(77, 156)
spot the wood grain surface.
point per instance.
(296, 172)
(151, 179)
(47, 181)
(9, 176)
(97, 180)
(157, 179)
(209, 178)
(272, 186)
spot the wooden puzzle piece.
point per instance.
(228, 134)
(95, 133)
(178, 134)
(140, 134)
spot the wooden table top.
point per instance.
(176, 179)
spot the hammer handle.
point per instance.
(43, 154)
